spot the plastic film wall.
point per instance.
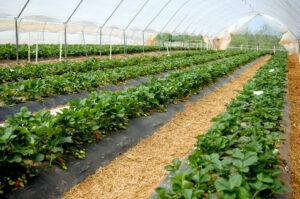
(44, 21)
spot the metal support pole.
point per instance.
(36, 52)
(126, 27)
(100, 41)
(17, 31)
(143, 42)
(157, 14)
(60, 48)
(66, 45)
(274, 49)
(124, 35)
(66, 22)
(172, 17)
(84, 44)
(17, 40)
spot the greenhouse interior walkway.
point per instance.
(136, 173)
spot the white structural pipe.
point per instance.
(65, 29)
(17, 31)
(105, 22)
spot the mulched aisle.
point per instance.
(136, 173)
(294, 109)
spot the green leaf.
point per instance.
(160, 190)
(16, 158)
(264, 178)
(188, 193)
(38, 157)
(65, 140)
(187, 184)
(250, 160)
(7, 133)
(176, 162)
(95, 127)
(235, 181)
(238, 154)
(222, 184)
(243, 193)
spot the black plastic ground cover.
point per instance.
(284, 153)
(52, 183)
(55, 101)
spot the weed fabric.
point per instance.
(54, 182)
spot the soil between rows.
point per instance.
(136, 173)
(294, 111)
(54, 182)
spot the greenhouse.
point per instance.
(158, 99)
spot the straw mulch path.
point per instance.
(294, 111)
(136, 173)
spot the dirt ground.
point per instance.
(136, 173)
(12, 63)
(294, 109)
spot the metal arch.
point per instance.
(124, 31)
(113, 12)
(105, 22)
(184, 18)
(157, 14)
(143, 6)
(17, 31)
(66, 22)
(172, 17)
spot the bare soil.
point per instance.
(294, 109)
(136, 173)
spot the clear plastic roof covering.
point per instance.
(210, 18)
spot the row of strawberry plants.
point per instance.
(27, 139)
(30, 71)
(8, 51)
(238, 157)
(37, 89)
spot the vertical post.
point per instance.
(29, 48)
(168, 49)
(28, 53)
(110, 50)
(100, 41)
(274, 49)
(60, 49)
(201, 45)
(143, 41)
(17, 40)
(84, 44)
(124, 35)
(66, 50)
(36, 52)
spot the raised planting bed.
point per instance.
(239, 156)
(37, 89)
(30, 139)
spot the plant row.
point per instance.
(37, 89)
(238, 157)
(29, 139)
(32, 71)
(8, 51)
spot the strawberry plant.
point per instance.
(27, 139)
(8, 51)
(70, 82)
(33, 71)
(238, 157)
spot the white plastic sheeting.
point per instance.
(210, 18)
